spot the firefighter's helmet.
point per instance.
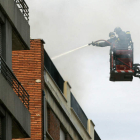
(117, 30)
(111, 34)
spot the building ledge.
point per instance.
(80, 122)
(46, 81)
(49, 136)
(15, 107)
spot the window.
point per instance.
(62, 134)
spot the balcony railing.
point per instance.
(78, 110)
(23, 8)
(96, 136)
(53, 71)
(14, 83)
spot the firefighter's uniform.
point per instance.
(112, 41)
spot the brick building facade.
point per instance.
(53, 108)
(53, 125)
(28, 67)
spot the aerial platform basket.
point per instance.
(121, 64)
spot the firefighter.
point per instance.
(109, 42)
(124, 38)
(128, 35)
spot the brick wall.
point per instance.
(53, 125)
(68, 137)
(28, 66)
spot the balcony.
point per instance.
(23, 8)
(14, 16)
(14, 83)
(79, 112)
(50, 67)
(96, 136)
(15, 100)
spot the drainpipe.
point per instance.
(44, 117)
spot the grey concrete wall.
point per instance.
(54, 97)
(14, 105)
(7, 42)
(67, 91)
(17, 19)
(7, 127)
(2, 19)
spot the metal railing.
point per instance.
(78, 110)
(53, 71)
(23, 8)
(96, 136)
(14, 83)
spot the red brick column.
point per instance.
(53, 125)
(28, 66)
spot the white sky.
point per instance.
(64, 25)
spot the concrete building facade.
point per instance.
(14, 99)
(55, 113)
